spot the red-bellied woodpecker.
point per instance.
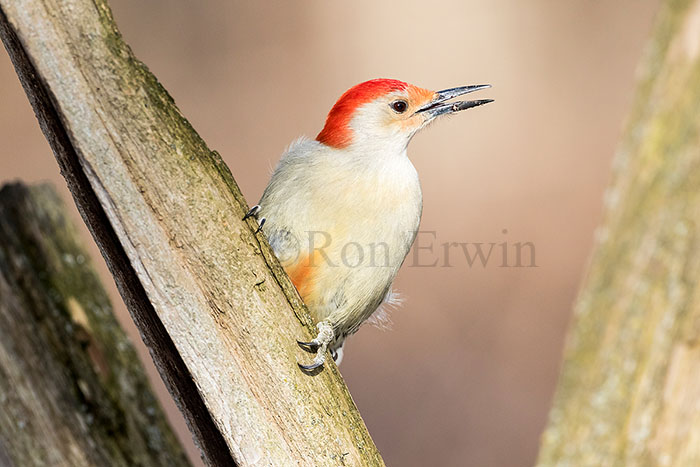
(342, 211)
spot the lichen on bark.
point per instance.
(622, 398)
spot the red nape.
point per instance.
(337, 133)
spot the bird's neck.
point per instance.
(372, 151)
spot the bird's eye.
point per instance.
(399, 106)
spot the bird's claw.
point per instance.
(313, 366)
(262, 222)
(312, 344)
(320, 344)
(253, 212)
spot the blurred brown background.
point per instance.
(466, 375)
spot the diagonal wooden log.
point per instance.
(208, 296)
(630, 388)
(72, 389)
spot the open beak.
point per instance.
(439, 106)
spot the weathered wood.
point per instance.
(629, 393)
(72, 389)
(210, 299)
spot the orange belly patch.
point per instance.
(303, 274)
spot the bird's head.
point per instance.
(384, 114)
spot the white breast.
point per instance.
(360, 210)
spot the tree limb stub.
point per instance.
(72, 390)
(209, 298)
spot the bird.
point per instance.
(341, 211)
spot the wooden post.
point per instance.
(72, 390)
(629, 393)
(212, 303)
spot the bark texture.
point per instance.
(630, 389)
(218, 313)
(72, 390)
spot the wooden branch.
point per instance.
(210, 299)
(630, 387)
(72, 390)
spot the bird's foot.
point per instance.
(320, 343)
(253, 212)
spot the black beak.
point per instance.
(438, 106)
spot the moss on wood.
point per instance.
(72, 389)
